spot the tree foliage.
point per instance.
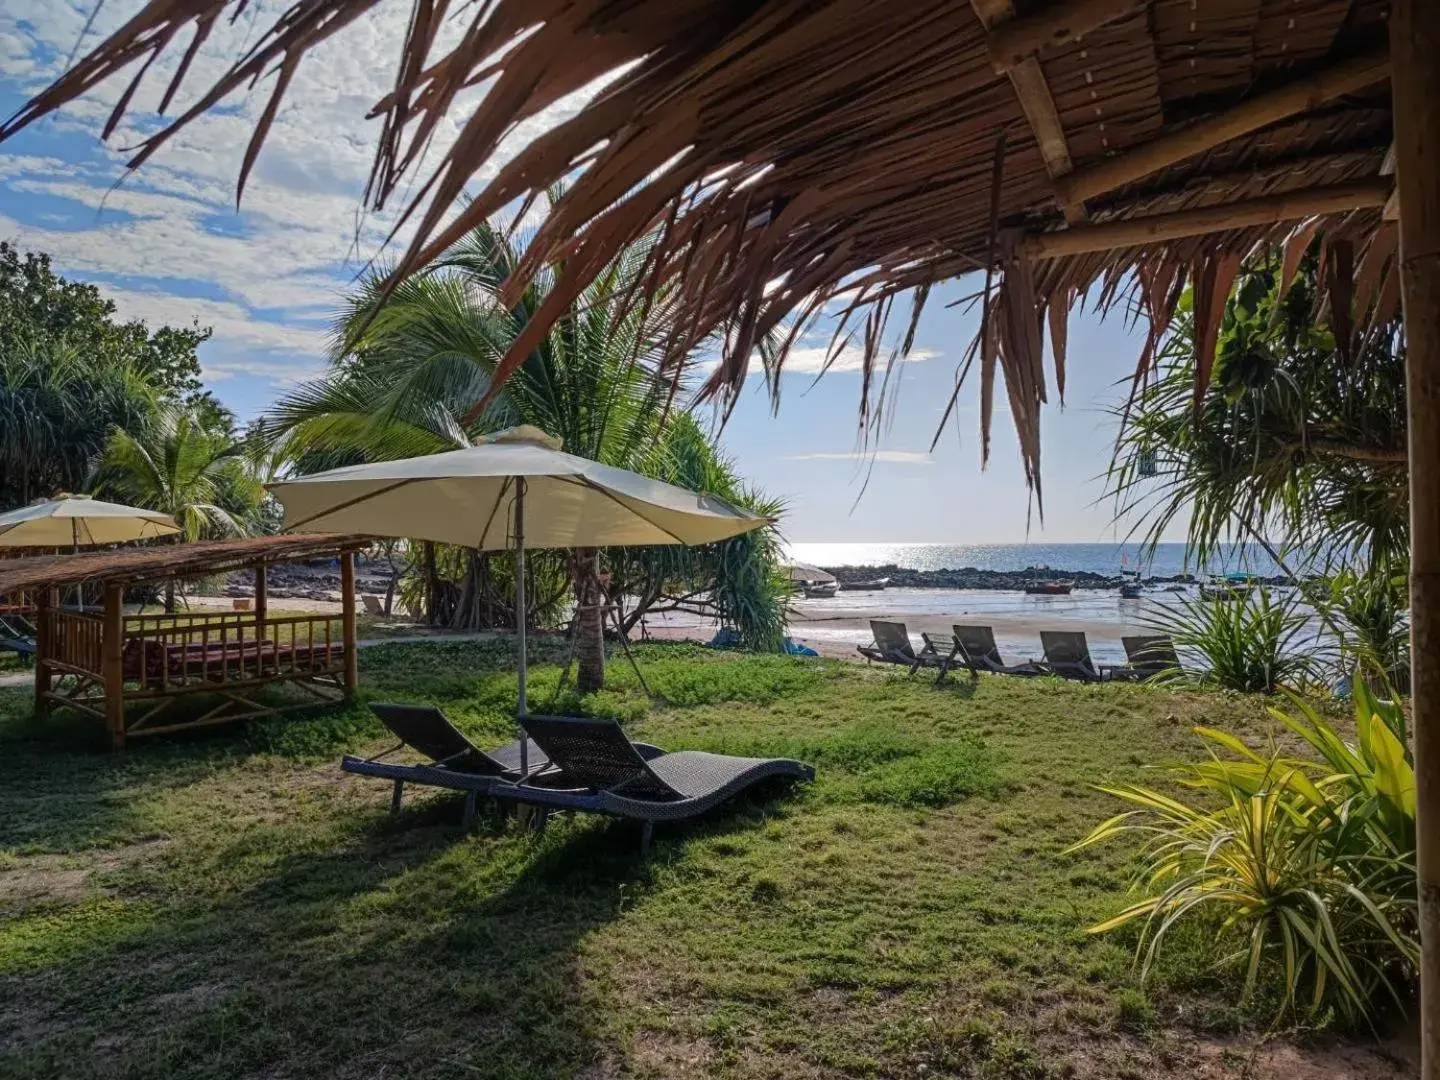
(415, 375)
(1295, 436)
(71, 373)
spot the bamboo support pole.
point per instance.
(1298, 97)
(347, 608)
(1013, 42)
(1157, 228)
(112, 648)
(44, 637)
(262, 602)
(1415, 45)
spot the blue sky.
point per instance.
(169, 245)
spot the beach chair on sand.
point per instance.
(979, 652)
(891, 645)
(1067, 654)
(372, 603)
(1147, 655)
(632, 780)
(455, 762)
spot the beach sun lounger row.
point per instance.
(580, 764)
(973, 648)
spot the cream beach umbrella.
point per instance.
(515, 489)
(75, 521)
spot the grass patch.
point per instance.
(229, 904)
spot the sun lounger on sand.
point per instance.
(1148, 655)
(372, 603)
(979, 652)
(1067, 654)
(632, 780)
(891, 645)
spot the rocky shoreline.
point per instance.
(971, 578)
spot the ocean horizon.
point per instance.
(1165, 560)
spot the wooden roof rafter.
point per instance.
(1033, 92)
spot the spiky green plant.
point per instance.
(1303, 866)
(1255, 643)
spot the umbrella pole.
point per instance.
(520, 620)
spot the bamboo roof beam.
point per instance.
(1298, 97)
(1014, 41)
(1035, 99)
(1158, 228)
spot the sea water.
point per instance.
(1166, 560)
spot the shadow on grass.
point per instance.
(413, 950)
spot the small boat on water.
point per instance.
(1049, 588)
(1130, 588)
(1227, 587)
(815, 583)
(865, 586)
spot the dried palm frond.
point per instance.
(789, 153)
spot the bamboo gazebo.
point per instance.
(139, 672)
(788, 154)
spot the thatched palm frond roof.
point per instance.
(790, 153)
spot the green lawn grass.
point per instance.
(229, 904)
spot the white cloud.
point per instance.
(232, 324)
(811, 359)
(886, 457)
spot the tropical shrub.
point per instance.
(1252, 644)
(1302, 865)
(1369, 610)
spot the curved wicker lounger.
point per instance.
(624, 781)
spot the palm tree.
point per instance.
(195, 473)
(415, 375)
(418, 373)
(57, 409)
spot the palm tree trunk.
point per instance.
(590, 621)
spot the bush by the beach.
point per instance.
(1255, 643)
(1303, 876)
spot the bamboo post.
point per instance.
(1415, 43)
(262, 603)
(347, 608)
(112, 652)
(44, 635)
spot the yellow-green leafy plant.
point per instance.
(1303, 863)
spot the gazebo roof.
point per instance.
(785, 155)
(164, 561)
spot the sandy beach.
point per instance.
(834, 627)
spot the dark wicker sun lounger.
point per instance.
(17, 635)
(625, 780)
(979, 652)
(1067, 654)
(455, 761)
(891, 645)
(1148, 655)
